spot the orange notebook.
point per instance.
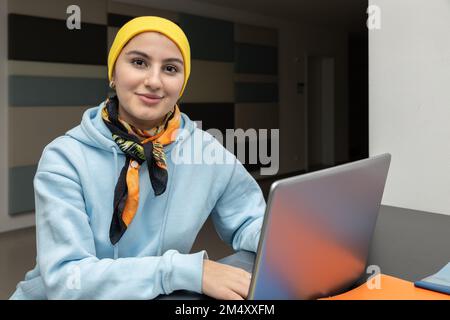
(391, 288)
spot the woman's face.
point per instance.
(148, 77)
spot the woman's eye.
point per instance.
(171, 69)
(138, 62)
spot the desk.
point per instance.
(407, 244)
(410, 244)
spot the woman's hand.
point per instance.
(224, 282)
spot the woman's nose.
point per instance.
(153, 79)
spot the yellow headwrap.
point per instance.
(151, 23)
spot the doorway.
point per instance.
(320, 112)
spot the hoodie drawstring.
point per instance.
(116, 246)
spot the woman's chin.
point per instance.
(147, 113)
(149, 120)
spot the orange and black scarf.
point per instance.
(139, 146)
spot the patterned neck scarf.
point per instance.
(139, 146)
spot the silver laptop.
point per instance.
(317, 231)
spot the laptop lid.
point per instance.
(317, 230)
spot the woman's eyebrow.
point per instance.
(174, 60)
(143, 54)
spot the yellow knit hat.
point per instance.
(151, 23)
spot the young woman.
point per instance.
(116, 215)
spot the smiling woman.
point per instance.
(110, 222)
(148, 77)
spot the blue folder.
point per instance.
(439, 281)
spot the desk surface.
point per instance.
(407, 244)
(410, 244)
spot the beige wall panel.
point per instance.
(32, 128)
(210, 81)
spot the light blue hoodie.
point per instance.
(74, 190)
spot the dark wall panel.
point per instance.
(256, 59)
(210, 39)
(48, 40)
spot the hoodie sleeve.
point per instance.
(239, 212)
(66, 251)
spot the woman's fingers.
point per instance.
(233, 296)
(225, 282)
(242, 284)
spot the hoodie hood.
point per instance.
(92, 131)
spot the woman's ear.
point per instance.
(112, 84)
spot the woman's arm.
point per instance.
(239, 212)
(66, 250)
(238, 217)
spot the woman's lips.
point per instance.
(149, 99)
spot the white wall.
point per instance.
(409, 99)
